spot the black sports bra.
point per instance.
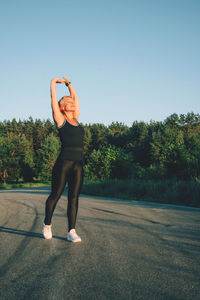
(71, 137)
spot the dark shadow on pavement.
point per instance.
(110, 211)
(27, 233)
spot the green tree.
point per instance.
(98, 132)
(47, 155)
(16, 158)
(138, 143)
(117, 134)
(87, 142)
(108, 162)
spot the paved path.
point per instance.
(130, 250)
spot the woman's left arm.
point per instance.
(75, 98)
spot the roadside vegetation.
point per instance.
(156, 161)
(170, 191)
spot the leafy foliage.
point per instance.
(108, 162)
(47, 155)
(156, 150)
(16, 158)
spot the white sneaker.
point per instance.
(72, 236)
(46, 230)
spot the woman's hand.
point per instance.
(74, 97)
(58, 80)
(65, 80)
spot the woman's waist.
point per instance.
(71, 153)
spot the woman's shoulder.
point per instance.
(73, 122)
(60, 124)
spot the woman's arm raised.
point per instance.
(57, 115)
(74, 97)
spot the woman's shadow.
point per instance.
(27, 233)
(31, 190)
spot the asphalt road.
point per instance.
(129, 250)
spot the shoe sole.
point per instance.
(46, 238)
(73, 241)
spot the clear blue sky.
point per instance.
(128, 60)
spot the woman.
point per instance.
(68, 167)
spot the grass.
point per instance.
(171, 191)
(22, 185)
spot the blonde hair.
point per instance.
(60, 102)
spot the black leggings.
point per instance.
(65, 171)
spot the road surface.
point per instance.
(129, 250)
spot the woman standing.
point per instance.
(68, 167)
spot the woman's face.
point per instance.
(68, 105)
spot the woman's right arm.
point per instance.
(57, 115)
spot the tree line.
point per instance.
(154, 150)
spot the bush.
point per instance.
(47, 155)
(172, 191)
(108, 162)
